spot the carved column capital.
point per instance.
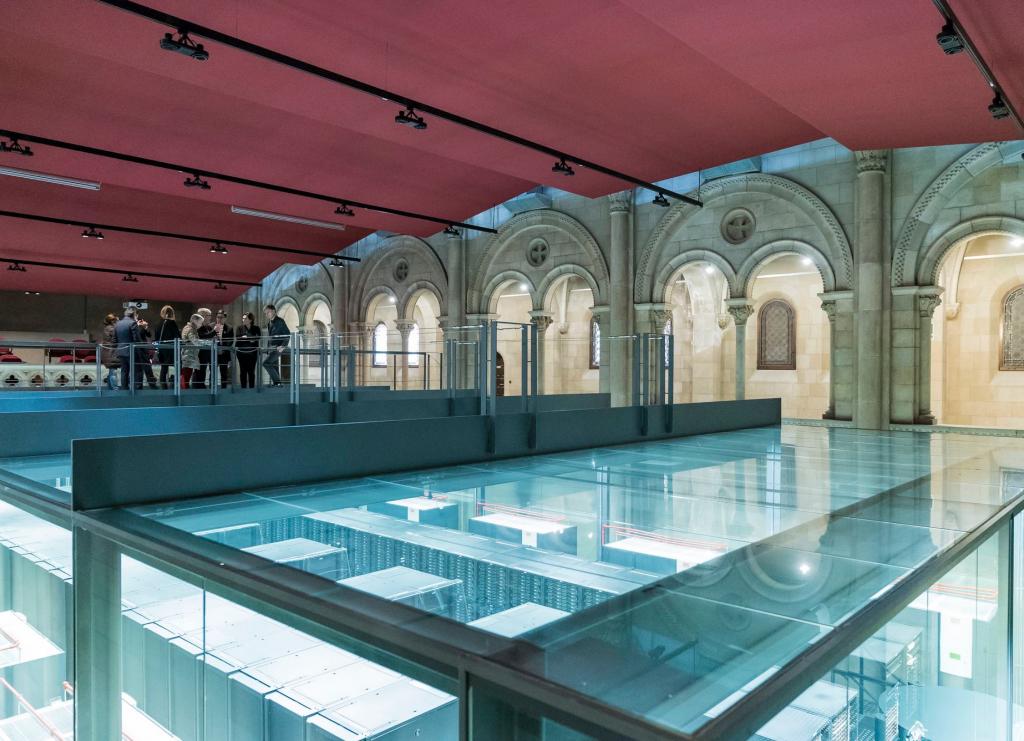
(541, 320)
(872, 160)
(927, 303)
(740, 310)
(621, 202)
(404, 327)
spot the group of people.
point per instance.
(204, 335)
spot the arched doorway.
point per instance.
(569, 366)
(512, 302)
(316, 336)
(977, 357)
(381, 315)
(695, 301)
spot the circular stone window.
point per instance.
(738, 226)
(401, 271)
(537, 253)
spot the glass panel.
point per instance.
(36, 638)
(201, 667)
(667, 578)
(937, 671)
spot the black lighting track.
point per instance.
(184, 25)
(194, 171)
(115, 271)
(172, 235)
(950, 17)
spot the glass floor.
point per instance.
(667, 578)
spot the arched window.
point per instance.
(414, 346)
(1011, 355)
(595, 344)
(666, 331)
(776, 336)
(380, 345)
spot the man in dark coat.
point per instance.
(278, 335)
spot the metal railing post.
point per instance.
(100, 381)
(524, 381)
(660, 346)
(636, 370)
(481, 359)
(534, 365)
(295, 370)
(214, 368)
(177, 368)
(351, 370)
(671, 370)
(131, 368)
(492, 376)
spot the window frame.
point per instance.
(595, 343)
(414, 339)
(1015, 295)
(377, 352)
(762, 314)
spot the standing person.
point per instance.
(108, 351)
(206, 333)
(144, 355)
(126, 333)
(166, 333)
(226, 337)
(278, 335)
(247, 343)
(190, 349)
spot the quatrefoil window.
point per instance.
(401, 270)
(537, 253)
(738, 226)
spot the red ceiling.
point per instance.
(651, 87)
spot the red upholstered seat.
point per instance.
(89, 359)
(83, 352)
(55, 352)
(10, 358)
(66, 359)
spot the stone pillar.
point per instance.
(927, 301)
(838, 306)
(362, 335)
(542, 321)
(456, 309)
(605, 349)
(620, 292)
(650, 319)
(868, 253)
(339, 298)
(404, 327)
(740, 309)
(472, 359)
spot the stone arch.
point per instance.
(374, 272)
(748, 269)
(527, 227)
(368, 299)
(284, 281)
(673, 266)
(907, 259)
(837, 248)
(407, 303)
(309, 306)
(561, 272)
(489, 305)
(931, 260)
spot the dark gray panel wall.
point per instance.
(115, 472)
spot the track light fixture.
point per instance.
(409, 118)
(129, 278)
(32, 293)
(661, 200)
(451, 231)
(563, 168)
(16, 147)
(344, 210)
(998, 108)
(92, 233)
(17, 267)
(218, 286)
(337, 262)
(949, 40)
(184, 45)
(218, 249)
(196, 182)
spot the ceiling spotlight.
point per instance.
(344, 210)
(218, 286)
(524, 287)
(337, 262)
(949, 40)
(218, 249)
(409, 118)
(661, 200)
(92, 233)
(31, 293)
(563, 168)
(451, 231)
(806, 261)
(184, 45)
(129, 278)
(17, 267)
(391, 299)
(16, 147)
(196, 182)
(998, 108)
(709, 269)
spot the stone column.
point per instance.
(456, 308)
(650, 319)
(339, 297)
(740, 309)
(838, 307)
(404, 327)
(620, 292)
(927, 301)
(361, 334)
(868, 253)
(606, 348)
(542, 321)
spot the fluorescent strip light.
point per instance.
(993, 257)
(285, 217)
(785, 275)
(43, 177)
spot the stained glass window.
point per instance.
(776, 336)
